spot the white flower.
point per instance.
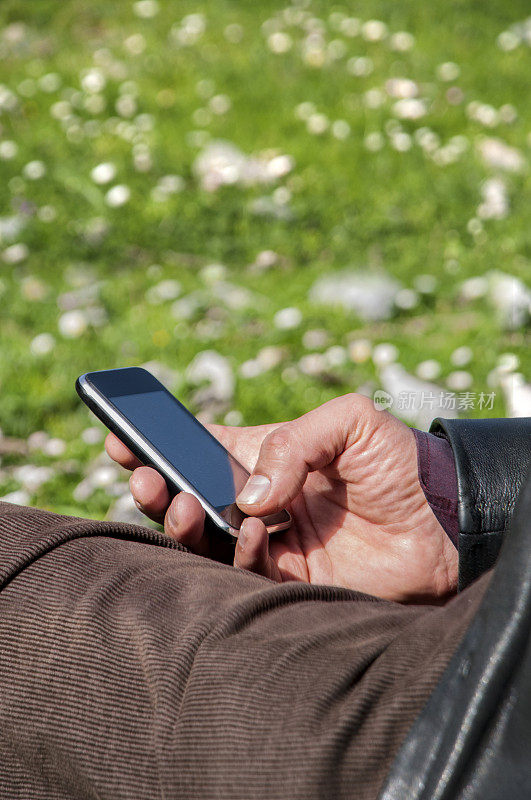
(165, 290)
(50, 82)
(190, 30)
(517, 394)
(413, 108)
(33, 289)
(205, 88)
(335, 356)
(428, 370)
(374, 141)
(18, 498)
(350, 26)
(42, 344)
(93, 80)
(233, 33)
(508, 113)
(126, 105)
(220, 104)
(370, 295)
(340, 129)
(213, 273)
(10, 227)
(360, 66)
(103, 475)
(317, 124)
(61, 110)
(359, 350)
(508, 362)
(305, 110)
(279, 42)
(495, 203)
(135, 44)
(448, 71)
(406, 299)
(384, 353)
(103, 173)
(425, 284)
(402, 41)
(313, 51)
(92, 435)
(270, 357)
(216, 369)
(511, 298)
(374, 98)
(401, 141)
(264, 261)
(483, 113)
(8, 150)
(499, 155)
(402, 88)
(374, 30)
(427, 139)
(32, 477)
(167, 185)
(222, 163)
(34, 170)
(508, 40)
(461, 356)
(287, 318)
(73, 324)
(315, 338)
(233, 418)
(251, 368)
(118, 196)
(142, 158)
(278, 166)
(312, 364)
(473, 288)
(459, 381)
(281, 196)
(54, 447)
(146, 9)
(8, 100)
(16, 253)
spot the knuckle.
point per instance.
(279, 443)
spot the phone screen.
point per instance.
(177, 436)
(186, 444)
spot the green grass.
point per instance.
(349, 207)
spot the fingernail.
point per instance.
(255, 490)
(139, 505)
(242, 536)
(174, 518)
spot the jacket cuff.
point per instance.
(492, 458)
(438, 479)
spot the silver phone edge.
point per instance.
(179, 480)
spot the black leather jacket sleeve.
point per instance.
(492, 458)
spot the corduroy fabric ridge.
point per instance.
(130, 668)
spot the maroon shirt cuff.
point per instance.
(438, 478)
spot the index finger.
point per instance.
(120, 453)
(243, 443)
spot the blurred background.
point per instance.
(267, 205)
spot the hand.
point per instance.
(348, 475)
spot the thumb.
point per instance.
(291, 451)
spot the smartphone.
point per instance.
(163, 434)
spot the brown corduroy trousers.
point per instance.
(130, 668)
